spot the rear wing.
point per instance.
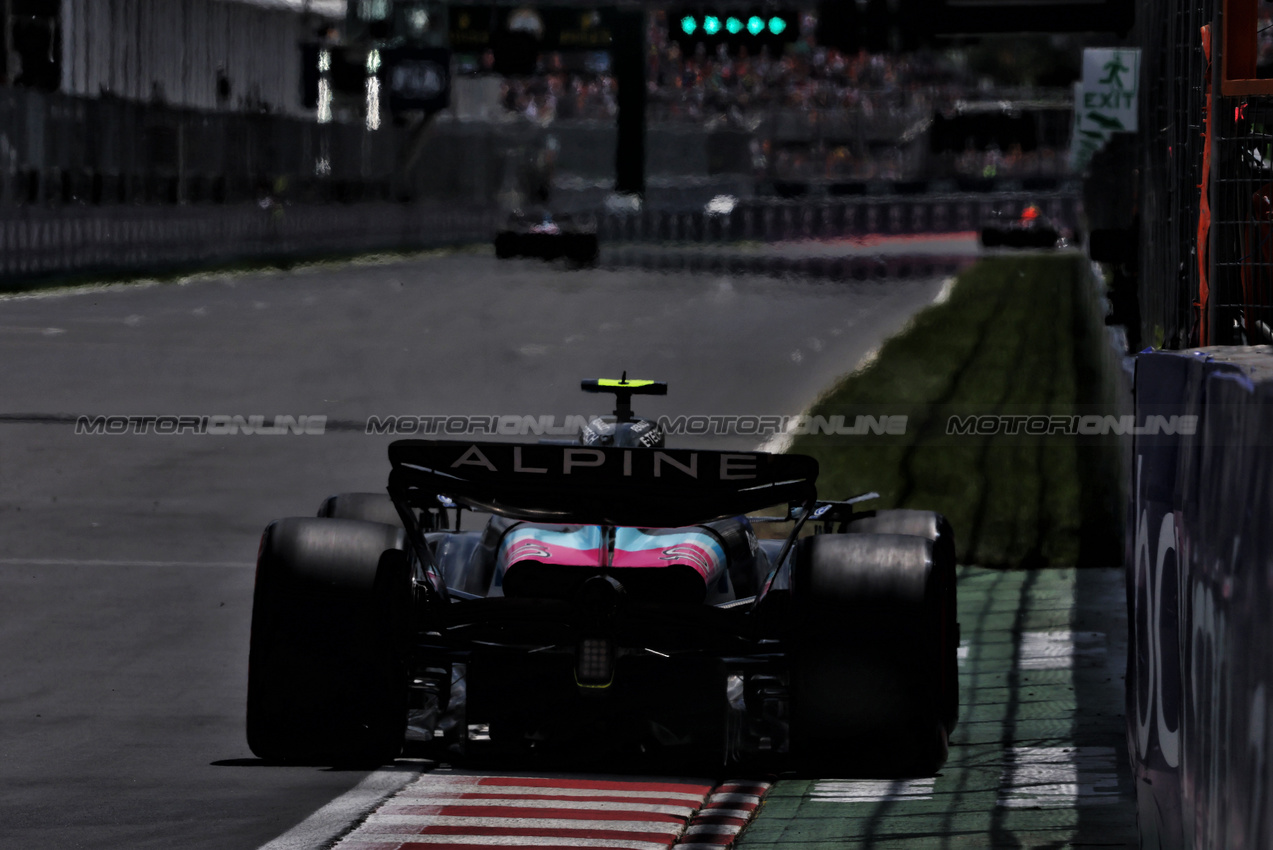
(653, 488)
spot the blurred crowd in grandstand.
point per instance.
(734, 88)
(862, 114)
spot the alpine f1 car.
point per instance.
(548, 238)
(616, 592)
(1032, 229)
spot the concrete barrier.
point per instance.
(38, 242)
(1200, 596)
(773, 220)
(725, 262)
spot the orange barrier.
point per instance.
(1204, 206)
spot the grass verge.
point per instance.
(1014, 338)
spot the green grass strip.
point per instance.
(1015, 337)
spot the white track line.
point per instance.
(781, 442)
(871, 790)
(326, 824)
(1059, 777)
(947, 287)
(1058, 650)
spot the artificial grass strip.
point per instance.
(1013, 338)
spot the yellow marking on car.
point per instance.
(611, 382)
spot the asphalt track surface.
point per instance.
(126, 575)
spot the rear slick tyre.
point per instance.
(866, 697)
(930, 526)
(369, 507)
(327, 667)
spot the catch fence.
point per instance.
(1205, 204)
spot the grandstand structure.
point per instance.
(207, 101)
(174, 101)
(237, 55)
(815, 121)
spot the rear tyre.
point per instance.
(582, 249)
(505, 244)
(1045, 237)
(370, 507)
(866, 696)
(930, 526)
(328, 663)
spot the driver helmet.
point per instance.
(637, 434)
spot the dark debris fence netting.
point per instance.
(1173, 80)
(1224, 296)
(1241, 294)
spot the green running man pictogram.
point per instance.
(1114, 70)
